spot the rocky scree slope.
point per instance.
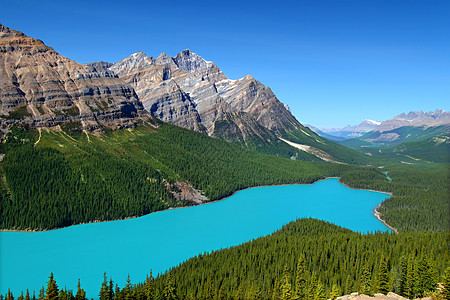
(42, 88)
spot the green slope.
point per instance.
(304, 135)
(404, 134)
(436, 149)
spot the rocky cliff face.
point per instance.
(41, 87)
(190, 92)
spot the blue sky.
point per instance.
(334, 62)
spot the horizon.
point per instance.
(334, 63)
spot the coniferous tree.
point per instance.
(52, 291)
(300, 280)
(41, 294)
(221, 293)
(169, 292)
(335, 292)
(149, 288)
(426, 279)
(410, 278)
(403, 281)
(9, 295)
(104, 289)
(21, 297)
(276, 290)
(365, 287)
(286, 288)
(81, 294)
(117, 293)
(27, 295)
(239, 294)
(383, 277)
(312, 288)
(319, 294)
(111, 289)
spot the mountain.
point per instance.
(412, 127)
(414, 136)
(42, 88)
(323, 134)
(416, 119)
(190, 92)
(193, 93)
(349, 132)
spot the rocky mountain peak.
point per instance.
(164, 59)
(136, 60)
(191, 62)
(12, 40)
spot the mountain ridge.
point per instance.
(42, 88)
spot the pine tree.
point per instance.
(427, 277)
(52, 289)
(347, 285)
(221, 293)
(276, 290)
(319, 294)
(27, 295)
(111, 289)
(9, 295)
(286, 288)
(41, 293)
(81, 294)
(117, 293)
(239, 295)
(169, 292)
(312, 288)
(300, 280)
(410, 278)
(104, 289)
(383, 277)
(149, 288)
(21, 297)
(403, 284)
(364, 287)
(335, 292)
(126, 291)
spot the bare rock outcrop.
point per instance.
(45, 89)
(389, 296)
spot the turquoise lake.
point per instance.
(164, 239)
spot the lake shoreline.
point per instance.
(376, 214)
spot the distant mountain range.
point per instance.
(418, 134)
(412, 119)
(347, 132)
